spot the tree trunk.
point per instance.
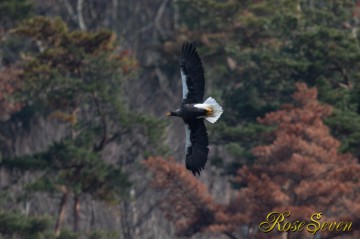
(125, 224)
(76, 213)
(62, 210)
(80, 16)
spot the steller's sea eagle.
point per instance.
(193, 111)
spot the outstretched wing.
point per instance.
(192, 75)
(196, 145)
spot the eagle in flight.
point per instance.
(193, 110)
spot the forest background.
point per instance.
(85, 148)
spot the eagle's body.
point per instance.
(193, 111)
(189, 111)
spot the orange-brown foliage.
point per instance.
(9, 84)
(301, 171)
(187, 202)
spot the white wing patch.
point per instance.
(202, 106)
(187, 138)
(184, 85)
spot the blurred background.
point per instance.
(87, 152)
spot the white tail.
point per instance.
(213, 108)
(216, 110)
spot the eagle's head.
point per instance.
(173, 113)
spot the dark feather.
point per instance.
(197, 151)
(191, 67)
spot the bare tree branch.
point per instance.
(80, 17)
(229, 235)
(62, 210)
(158, 17)
(146, 214)
(114, 9)
(347, 84)
(163, 82)
(70, 9)
(176, 15)
(103, 123)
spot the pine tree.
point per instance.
(14, 225)
(11, 11)
(300, 171)
(187, 203)
(302, 166)
(270, 45)
(75, 78)
(9, 85)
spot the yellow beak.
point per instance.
(167, 114)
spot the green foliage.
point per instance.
(24, 163)
(270, 45)
(99, 234)
(207, 14)
(96, 234)
(75, 79)
(79, 169)
(66, 234)
(15, 224)
(154, 129)
(72, 68)
(346, 125)
(14, 10)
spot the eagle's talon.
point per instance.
(209, 111)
